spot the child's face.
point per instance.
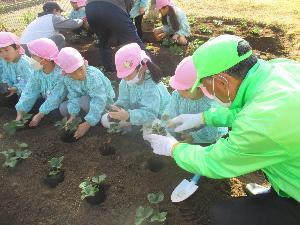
(79, 74)
(74, 5)
(164, 10)
(191, 95)
(10, 54)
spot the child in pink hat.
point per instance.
(45, 90)
(142, 97)
(16, 69)
(183, 101)
(175, 23)
(88, 90)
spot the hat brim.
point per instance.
(178, 86)
(124, 74)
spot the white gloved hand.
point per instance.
(161, 145)
(186, 122)
(105, 121)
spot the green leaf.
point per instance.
(11, 162)
(56, 162)
(156, 198)
(98, 180)
(23, 154)
(22, 145)
(159, 217)
(61, 124)
(142, 214)
(88, 190)
(9, 129)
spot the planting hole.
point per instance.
(154, 165)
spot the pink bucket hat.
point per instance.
(69, 59)
(8, 38)
(128, 58)
(80, 3)
(163, 3)
(44, 48)
(185, 75)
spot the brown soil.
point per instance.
(26, 200)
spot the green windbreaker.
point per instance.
(265, 122)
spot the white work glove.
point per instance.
(186, 122)
(161, 145)
(105, 121)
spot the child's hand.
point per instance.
(142, 11)
(12, 91)
(175, 37)
(36, 120)
(82, 129)
(119, 113)
(19, 116)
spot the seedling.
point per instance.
(244, 24)
(91, 188)
(114, 128)
(177, 50)
(218, 23)
(12, 157)
(192, 21)
(194, 45)
(55, 165)
(151, 214)
(150, 47)
(156, 127)
(167, 42)
(205, 30)
(55, 175)
(11, 127)
(229, 30)
(70, 128)
(63, 124)
(256, 31)
(157, 23)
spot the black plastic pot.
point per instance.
(107, 149)
(53, 181)
(98, 198)
(68, 137)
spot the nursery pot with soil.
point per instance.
(98, 198)
(53, 180)
(68, 136)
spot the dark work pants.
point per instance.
(113, 27)
(138, 23)
(263, 209)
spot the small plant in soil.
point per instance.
(156, 127)
(150, 47)
(13, 157)
(92, 189)
(177, 50)
(28, 17)
(194, 45)
(10, 128)
(218, 23)
(256, 31)
(205, 29)
(167, 42)
(151, 214)
(244, 24)
(55, 175)
(229, 30)
(70, 128)
(192, 20)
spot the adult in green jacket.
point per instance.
(263, 102)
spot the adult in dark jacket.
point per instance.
(111, 22)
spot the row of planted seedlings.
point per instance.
(93, 189)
